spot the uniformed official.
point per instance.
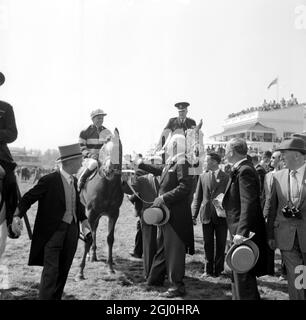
(178, 124)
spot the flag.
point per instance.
(272, 83)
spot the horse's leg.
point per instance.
(80, 275)
(112, 219)
(94, 227)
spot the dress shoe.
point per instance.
(206, 275)
(173, 293)
(134, 255)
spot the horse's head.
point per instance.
(110, 157)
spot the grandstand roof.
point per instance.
(251, 127)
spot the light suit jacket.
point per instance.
(283, 229)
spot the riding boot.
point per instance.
(87, 173)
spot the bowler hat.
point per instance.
(294, 144)
(2, 78)
(69, 152)
(156, 215)
(299, 135)
(241, 258)
(182, 105)
(97, 112)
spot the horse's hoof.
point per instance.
(94, 259)
(79, 277)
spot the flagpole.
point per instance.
(277, 91)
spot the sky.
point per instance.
(136, 58)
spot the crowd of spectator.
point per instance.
(268, 106)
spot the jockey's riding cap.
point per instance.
(97, 112)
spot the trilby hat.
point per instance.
(69, 152)
(242, 258)
(294, 144)
(156, 215)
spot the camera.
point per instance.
(292, 212)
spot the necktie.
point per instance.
(213, 180)
(294, 186)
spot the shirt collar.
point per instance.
(300, 171)
(66, 175)
(216, 172)
(238, 162)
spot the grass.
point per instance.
(127, 283)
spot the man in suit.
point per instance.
(178, 124)
(8, 134)
(145, 191)
(175, 238)
(56, 229)
(244, 215)
(261, 174)
(286, 212)
(211, 184)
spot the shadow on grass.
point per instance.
(26, 291)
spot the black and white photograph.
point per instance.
(152, 151)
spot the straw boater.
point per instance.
(56, 229)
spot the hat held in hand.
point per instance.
(156, 215)
(241, 258)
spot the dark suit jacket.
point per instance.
(50, 194)
(8, 134)
(261, 174)
(205, 194)
(175, 186)
(243, 210)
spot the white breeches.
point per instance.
(3, 237)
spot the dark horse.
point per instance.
(103, 196)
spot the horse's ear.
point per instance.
(116, 132)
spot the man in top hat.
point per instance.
(178, 124)
(91, 141)
(244, 215)
(286, 212)
(175, 236)
(56, 229)
(8, 134)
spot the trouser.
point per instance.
(149, 245)
(169, 259)
(58, 256)
(293, 258)
(244, 286)
(214, 263)
(138, 240)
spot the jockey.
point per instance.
(91, 141)
(8, 134)
(179, 123)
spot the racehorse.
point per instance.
(102, 196)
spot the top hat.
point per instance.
(97, 112)
(156, 215)
(294, 144)
(241, 258)
(2, 78)
(182, 105)
(69, 152)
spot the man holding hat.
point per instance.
(8, 134)
(285, 210)
(244, 216)
(91, 141)
(177, 124)
(171, 212)
(56, 229)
